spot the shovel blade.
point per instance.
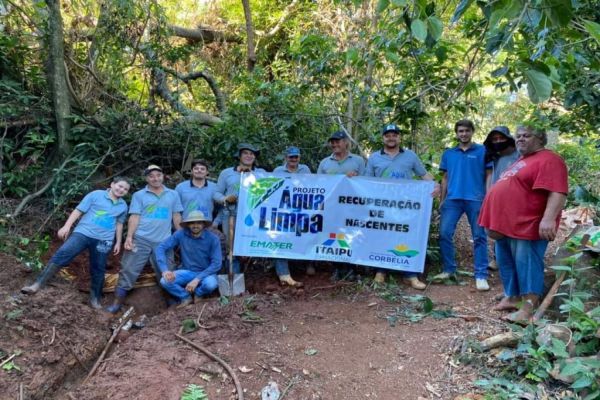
(226, 289)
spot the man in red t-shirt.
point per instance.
(522, 212)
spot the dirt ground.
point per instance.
(326, 341)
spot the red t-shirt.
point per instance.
(516, 203)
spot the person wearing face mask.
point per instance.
(500, 151)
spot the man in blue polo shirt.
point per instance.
(200, 253)
(341, 161)
(102, 213)
(395, 162)
(197, 193)
(154, 212)
(462, 191)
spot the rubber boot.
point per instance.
(48, 272)
(120, 295)
(287, 280)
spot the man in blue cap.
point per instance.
(292, 163)
(395, 162)
(292, 166)
(341, 161)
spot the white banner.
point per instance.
(361, 220)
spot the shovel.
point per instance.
(231, 284)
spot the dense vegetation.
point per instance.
(91, 89)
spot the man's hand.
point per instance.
(128, 244)
(547, 229)
(63, 233)
(192, 285)
(117, 248)
(436, 190)
(350, 174)
(169, 276)
(231, 199)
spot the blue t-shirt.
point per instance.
(156, 213)
(465, 172)
(195, 198)
(100, 215)
(404, 165)
(201, 254)
(352, 163)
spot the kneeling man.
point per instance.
(200, 254)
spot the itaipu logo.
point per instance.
(335, 245)
(403, 250)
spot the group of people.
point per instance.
(511, 188)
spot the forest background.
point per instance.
(92, 89)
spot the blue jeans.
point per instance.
(521, 265)
(98, 251)
(182, 278)
(451, 212)
(282, 267)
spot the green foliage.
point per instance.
(583, 160)
(194, 392)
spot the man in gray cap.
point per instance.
(228, 188)
(395, 162)
(501, 151)
(341, 161)
(200, 253)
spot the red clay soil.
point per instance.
(318, 343)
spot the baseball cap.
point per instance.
(390, 128)
(152, 167)
(338, 135)
(292, 151)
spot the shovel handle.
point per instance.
(230, 255)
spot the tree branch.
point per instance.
(251, 57)
(204, 34)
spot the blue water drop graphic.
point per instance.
(248, 220)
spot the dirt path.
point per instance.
(354, 342)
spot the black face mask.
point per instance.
(500, 146)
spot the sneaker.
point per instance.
(310, 270)
(441, 277)
(31, 289)
(493, 266)
(482, 285)
(379, 277)
(415, 283)
(185, 302)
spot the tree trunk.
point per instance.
(250, 35)
(57, 77)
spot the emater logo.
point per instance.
(335, 246)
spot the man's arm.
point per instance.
(118, 238)
(554, 205)
(436, 186)
(132, 225)
(444, 187)
(161, 251)
(177, 221)
(63, 232)
(488, 179)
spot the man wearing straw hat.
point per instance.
(200, 253)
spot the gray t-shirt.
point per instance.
(502, 163)
(404, 165)
(331, 166)
(282, 169)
